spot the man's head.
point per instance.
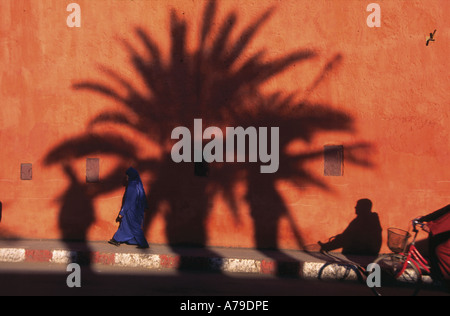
(363, 206)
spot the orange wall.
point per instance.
(392, 86)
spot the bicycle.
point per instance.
(340, 268)
(406, 266)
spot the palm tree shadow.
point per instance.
(218, 83)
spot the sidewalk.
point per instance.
(215, 259)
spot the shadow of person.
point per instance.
(75, 217)
(362, 236)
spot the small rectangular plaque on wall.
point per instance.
(92, 170)
(26, 171)
(333, 160)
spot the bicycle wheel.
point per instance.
(392, 282)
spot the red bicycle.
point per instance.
(405, 267)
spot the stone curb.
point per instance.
(302, 269)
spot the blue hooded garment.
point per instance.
(132, 212)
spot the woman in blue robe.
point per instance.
(131, 215)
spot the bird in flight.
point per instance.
(431, 38)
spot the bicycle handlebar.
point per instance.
(415, 223)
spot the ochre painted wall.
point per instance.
(392, 88)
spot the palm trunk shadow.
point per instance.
(75, 218)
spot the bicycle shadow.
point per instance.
(339, 267)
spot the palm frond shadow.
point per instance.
(218, 83)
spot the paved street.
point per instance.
(50, 279)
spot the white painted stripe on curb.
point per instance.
(310, 270)
(329, 271)
(12, 254)
(241, 265)
(63, 256)
(138, 260)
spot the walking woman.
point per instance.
(131, 215)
